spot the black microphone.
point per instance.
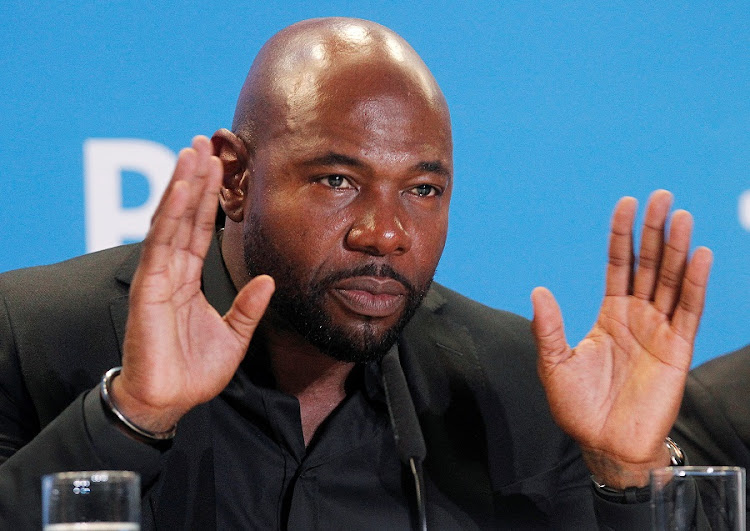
(407, 433)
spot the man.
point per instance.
(335, 180)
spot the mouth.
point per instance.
(370, 296)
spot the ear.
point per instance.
(234, 158)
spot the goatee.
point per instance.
(299, 306)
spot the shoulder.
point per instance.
(714, 420)
(720, 385)
(721, 372)
(77, 277)
(457, 342)
(58, 331)
(71, 297)
(497, 336)
(478, 317)
(474, 368)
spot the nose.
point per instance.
(380, 229)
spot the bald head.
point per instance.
(328, 60)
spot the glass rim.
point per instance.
(78, 474)
(696, 470)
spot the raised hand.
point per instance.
(618, 392)
(178, 351)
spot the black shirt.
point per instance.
(348, 477)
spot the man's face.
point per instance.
(347, 209)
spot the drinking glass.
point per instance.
(706, 497)
(103, 500)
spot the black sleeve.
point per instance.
(81, 438)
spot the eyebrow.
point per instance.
(333, 158)
(433, 166)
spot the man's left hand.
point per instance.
(618, 392)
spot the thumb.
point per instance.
(548, 329)
(249, 306)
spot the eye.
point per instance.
(335, 181)
(425, 190)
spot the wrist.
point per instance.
(627, 495)
(152, 428)
(614, 475)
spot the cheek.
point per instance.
(430, 250)
(325, 225)
(307, 234)
(428, 238)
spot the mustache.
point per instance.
(366, 270)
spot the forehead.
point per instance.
(368, 107)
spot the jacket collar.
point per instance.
(216, 282)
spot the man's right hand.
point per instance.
(179, 352)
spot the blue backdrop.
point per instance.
(558, 110)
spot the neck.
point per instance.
(316, 380)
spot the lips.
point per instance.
(370, 296)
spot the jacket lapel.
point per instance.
(448, 388)
(118, 307)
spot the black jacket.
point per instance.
(714, 422)
(492, 446)
(713, 427)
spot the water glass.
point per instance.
(103, 500)
(702, 497)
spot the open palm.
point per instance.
(618, 392)
(178, 351)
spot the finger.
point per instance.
(205, 150)
(249, 306)
(652, 244)
(189, 247)
(197, 181)
(620, 265)
(183, 169)
(689, 309)
(203, 228)
(169, 216)
(548, 329)
(156, 252)
(673, 263)
(205, 214)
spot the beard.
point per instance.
(298, 305)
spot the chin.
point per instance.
(364, 344)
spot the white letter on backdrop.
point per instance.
(108, 223)
(744, 210)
